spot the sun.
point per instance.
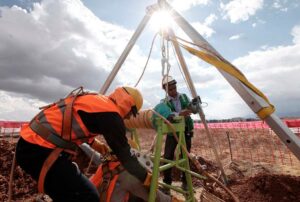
(161, 20)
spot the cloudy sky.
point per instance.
(49, 47)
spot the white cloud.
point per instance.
(276, 4)
(296, 34)
(280, 4)
(203, 29)
(59, 46)
(235, 37)
(56, 47)
(240, 10)
(15, 107)
(55, 44)
(210, 19)
(275, 71)
(185, 5)
(264, 47)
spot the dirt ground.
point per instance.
(249, 182)
(23, 186)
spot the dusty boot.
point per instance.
(174, 199)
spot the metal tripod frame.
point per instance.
(252, 100)
(127, 50)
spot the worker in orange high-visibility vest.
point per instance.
(50, 141)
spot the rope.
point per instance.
(146, 61)
(143, 120)
(191, 43)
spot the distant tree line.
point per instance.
(228, 120)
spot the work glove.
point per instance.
(147, 181)
(100, 147)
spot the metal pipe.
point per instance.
(125, 53)
(194, 94)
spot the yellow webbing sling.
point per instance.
(233, 71)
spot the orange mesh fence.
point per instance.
(246, 141)
(10, 128)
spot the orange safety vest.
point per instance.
(105, 180)
(52, 119)
(59, 125)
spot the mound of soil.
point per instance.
(23, 185)
(265, 187)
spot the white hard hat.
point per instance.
(168, 80)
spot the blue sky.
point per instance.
(49, 47)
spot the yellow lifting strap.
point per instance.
(233, 71)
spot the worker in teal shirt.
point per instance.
(177, 104)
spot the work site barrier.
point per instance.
(251, 141)
(10, 128)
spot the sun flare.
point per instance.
(161, 20)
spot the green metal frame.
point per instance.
(180, 163)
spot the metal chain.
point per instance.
(163, 57)
(165, 62)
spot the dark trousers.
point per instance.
(64, 181)
(170, 146)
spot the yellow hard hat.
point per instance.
(136, 95)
